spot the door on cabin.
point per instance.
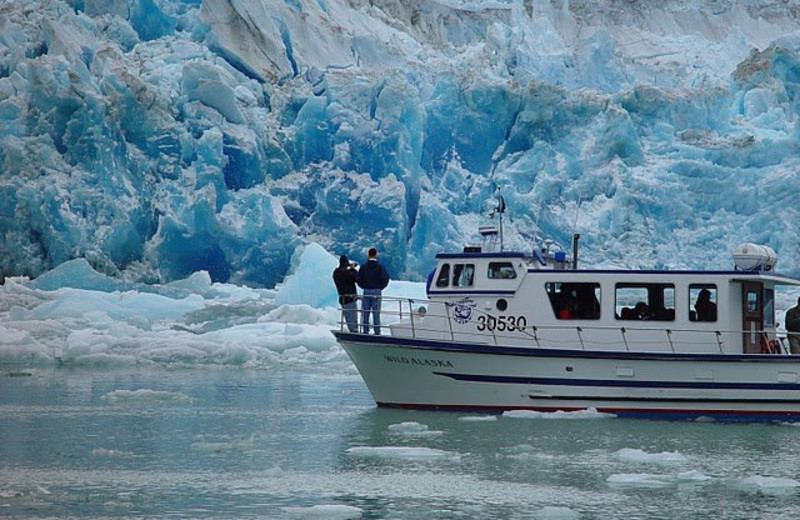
(752, 316)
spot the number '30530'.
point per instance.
(501, 323)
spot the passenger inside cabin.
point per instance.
(641, 311)
(706, 309)
(568, 307)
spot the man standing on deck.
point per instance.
(345, 277)
(373, 278)
(793, 328)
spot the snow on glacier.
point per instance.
(160, 138)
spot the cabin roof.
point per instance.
(733, 275)
(489, 255)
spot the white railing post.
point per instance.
(411, 313)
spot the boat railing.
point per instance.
(426, 319)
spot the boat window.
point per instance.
(702, 302)
(443, 280)
(769, 308)
(574, 301)
(503, 270)
(645, 301)
(463, 275)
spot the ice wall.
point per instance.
(156, 138)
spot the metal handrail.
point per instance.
(533, 332)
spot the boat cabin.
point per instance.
(543, 300)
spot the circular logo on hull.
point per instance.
(462, 310)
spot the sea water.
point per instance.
(308, 442)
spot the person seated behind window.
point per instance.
(705, 308)
(641, 311)
(567, 308)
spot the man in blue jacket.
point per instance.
(373, 278)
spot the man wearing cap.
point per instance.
(373, 278)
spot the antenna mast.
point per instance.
(501, 208)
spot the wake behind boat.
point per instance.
(507, 330)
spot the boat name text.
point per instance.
(416, 361)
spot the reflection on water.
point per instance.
(228, 442)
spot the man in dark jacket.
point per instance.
(793, 328)
(345, 277)
(373, 278)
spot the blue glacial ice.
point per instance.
(74, 316)
(159, 138)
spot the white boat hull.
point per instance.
(424, 374)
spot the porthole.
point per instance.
(502, 304)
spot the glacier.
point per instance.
(149, 140)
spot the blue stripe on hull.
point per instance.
(553, 381)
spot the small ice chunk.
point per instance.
(413, 429)
(525, 452)
(478, 418)
(769, 485)
(589, 413)
(636, 455)
(402, 452)
(637, 480)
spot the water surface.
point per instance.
(289, 443)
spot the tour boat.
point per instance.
(504, 330)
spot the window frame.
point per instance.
(459, 273)
(553, 289)
(693, 291)
(443, 281)
(501, 267)
(656, 294)
(768, 308)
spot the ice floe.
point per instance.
(589, 413)
(413, 429)
(768, 485)
(403, 452)
(478, 418)
(637, 455)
